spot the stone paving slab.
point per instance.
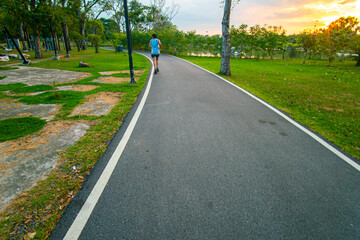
(98, 104)
(79, 88)
(13, 109)
(27, 160)
(37, 76)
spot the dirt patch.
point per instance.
(136, 72)
(2, 166)
(11, 108)
(27, 160)
(332, 109)
(36, 76)
(113, 80)
(78, 88)
(98, 104)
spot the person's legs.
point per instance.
(155, 62)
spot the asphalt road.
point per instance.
(206, 161)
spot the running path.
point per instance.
(206, 161)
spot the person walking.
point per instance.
(155, 45)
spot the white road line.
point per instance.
(85, 212)
(307, 131)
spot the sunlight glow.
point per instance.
(342, 10)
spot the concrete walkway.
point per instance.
(207, 161)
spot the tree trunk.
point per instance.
(305, 57)
(82, 32)
(342, 55)
(56, 43)
(283, 56)
(358, 60)
(27, 37)
(66, 38)
(78, 45)
(82, 21)
(22, 36)
(226, 47)
(37, 42)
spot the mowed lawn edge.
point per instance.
(323, 97)
(35, 213)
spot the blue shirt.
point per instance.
(155, 46)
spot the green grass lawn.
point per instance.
(105, 60)
(324, 97)
(39, 209)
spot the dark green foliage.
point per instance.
(12, 128)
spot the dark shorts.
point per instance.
(155, 56)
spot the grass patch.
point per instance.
(31, 89)
(2, 77)
(7, 68)
(13, 128)
(39, 209)
(324, 97)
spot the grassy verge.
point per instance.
(324, 97)
(35, 212)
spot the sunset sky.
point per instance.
(205, 16)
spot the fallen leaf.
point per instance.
(30, 235)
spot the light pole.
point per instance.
(128, 35)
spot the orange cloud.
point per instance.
(295, 15)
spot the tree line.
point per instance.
(78, 21)
(81, 22)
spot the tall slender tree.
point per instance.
(226, 46)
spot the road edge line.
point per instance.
(307, 131)
(84, 214)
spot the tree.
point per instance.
(239, 37)
(308, 41)
(340, 33)
(254, 38)
(29, 12)
(37, 11)
(97, 29)
(117, 9)
(226, 46)
(88, 7)
(355, 47)
(160, 17)
(275, 38)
